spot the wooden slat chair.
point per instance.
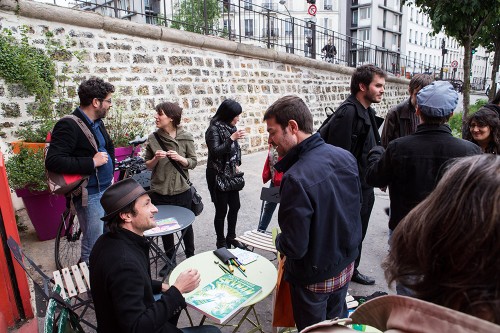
(77, 298)
(258, 239)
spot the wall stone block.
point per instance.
(11, 110)
(102, 57)
(122, 57)
(180, 61)
(17, 90)
(143, 59)
(143, 90)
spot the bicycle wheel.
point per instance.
(68, 241)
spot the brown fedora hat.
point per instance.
(119, 195)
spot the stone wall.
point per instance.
(149, 64)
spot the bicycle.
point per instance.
(68, 239)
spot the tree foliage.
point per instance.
(462, 20)
(489, 38)
(199, 16)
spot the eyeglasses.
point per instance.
(473, 125)
(105, 100)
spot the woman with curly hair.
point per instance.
(484, 130)
(447, 249)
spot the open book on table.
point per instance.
(164, 225)
(223, 297)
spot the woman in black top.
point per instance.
(224, 156)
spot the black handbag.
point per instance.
(226, 183)
(196, 200)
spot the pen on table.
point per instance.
(231, 269)
(239, 268)
(240, 264)
(224, 269)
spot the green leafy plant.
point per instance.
(29, 66)
(123, 127)
(456, 120)
(26, 170)
(36, 133)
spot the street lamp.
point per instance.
(290, 50)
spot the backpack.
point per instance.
(69, 184)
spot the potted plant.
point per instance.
(26, 174)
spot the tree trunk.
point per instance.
(466, 86)
(496, 63)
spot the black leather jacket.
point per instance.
(411, 166)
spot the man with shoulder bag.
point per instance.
(71, 152)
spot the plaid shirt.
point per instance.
(333, 283)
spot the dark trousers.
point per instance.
(366, 211)
(200, 329)
(183, 200)
(310, 308)
(226, 204)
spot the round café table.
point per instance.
(261, 272)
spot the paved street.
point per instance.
(374, 250)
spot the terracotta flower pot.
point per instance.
(33, 146)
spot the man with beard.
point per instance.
(354, 127)
(71, 152)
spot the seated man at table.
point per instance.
(120, 275)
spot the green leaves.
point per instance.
(26, 170)
(196, 15)
(29, 66)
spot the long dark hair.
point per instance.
(485, 116)
(227, 110)
(447, 249)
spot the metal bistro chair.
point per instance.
(59, 317)
(76, 298)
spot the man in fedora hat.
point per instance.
(120, 275)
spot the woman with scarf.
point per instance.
(224, 159)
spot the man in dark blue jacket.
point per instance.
(319, 213)
(71, 152)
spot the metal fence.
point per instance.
(265, 25)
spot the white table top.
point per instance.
(184, 217)
(260, 272)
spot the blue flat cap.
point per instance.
(438, 99)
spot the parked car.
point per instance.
(457, 84)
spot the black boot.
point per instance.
(221, 243)
(231, 241)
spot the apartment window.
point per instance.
(354, 17)
(247, 5)
(421, 38)
(248, 27)
(328, 5)
(416, 37)
(394, 39)
(416, 17)
(325, 25)
(396, 19)
(365, 13)
(409, 35)
(409, 55)
(364, 34)
(288, 27)
(411, 14)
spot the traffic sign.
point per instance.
(312, 10)
(454, 64)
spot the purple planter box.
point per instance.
(44, 210)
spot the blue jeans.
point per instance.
(90, 221)
(311, 308)
(267, 213)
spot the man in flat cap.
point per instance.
(120, 275)
(410, 166)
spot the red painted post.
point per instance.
(9, 307)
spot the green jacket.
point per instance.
(165, 179)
